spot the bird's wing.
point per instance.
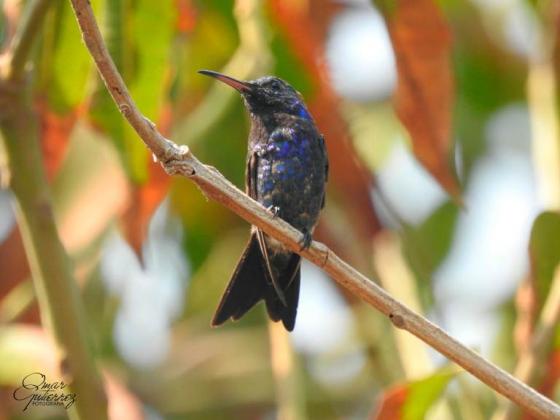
(251, 182)
(251, 175)
(324, 149)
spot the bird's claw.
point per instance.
(306, 240)
(274, 210)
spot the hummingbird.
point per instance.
(286, 171)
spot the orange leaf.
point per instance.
(526, 303)
(144, 201)
(186, 16)
(146, 197)
(552, 376)
(425, 90)
(392, 401)
(55, 134)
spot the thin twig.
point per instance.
(179, 160)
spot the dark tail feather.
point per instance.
(289, 281)
(247, 286)
(250, 283)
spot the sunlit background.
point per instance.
(153, 255)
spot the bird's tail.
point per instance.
(251, 282)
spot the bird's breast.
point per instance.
(290, 176)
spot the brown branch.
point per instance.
(179, 160)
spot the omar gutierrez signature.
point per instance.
(38, 392)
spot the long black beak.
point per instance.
(243, 87)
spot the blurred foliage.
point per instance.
(545, 252)
(61, 80)
(412, 401)
(104, 184)
(427, 245)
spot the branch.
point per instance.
(56, 290)
(179, 160)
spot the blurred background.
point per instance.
(441, 121)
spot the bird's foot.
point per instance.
(274, 211)
(306, 240)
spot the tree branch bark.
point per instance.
(56, 290)
(179, 160)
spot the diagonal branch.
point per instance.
(179, 160)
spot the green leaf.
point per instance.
(2, 23)
(424, 393)
(153, 32)
(20, 354)
(487, 78)
(544, 249)
(426, 245)
(210, 45)
(65, 64)
(289, 67)
(139, 35)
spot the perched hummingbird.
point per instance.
(286, 171)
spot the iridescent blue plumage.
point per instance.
(303, 113)
(286, 172)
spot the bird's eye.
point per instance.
(275, 85)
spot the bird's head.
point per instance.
(266, 95)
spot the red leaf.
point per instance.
(425, 90)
